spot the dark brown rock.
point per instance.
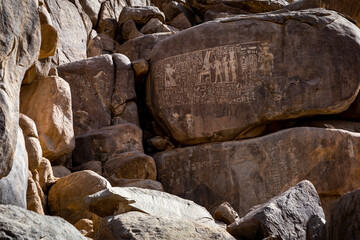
(315, 228)
(154, 25)
(94, 166)
(171, 10)
(140, 15)
(141, 68)
(130, 31)
(284, 217)
(105, 143)
(60, 171)
(225, 213)
(139, 183)
(215, 90)
(49, 41)
(250, 172)
(180, 22)
(160, 143)
(101, 44)
(128, 115)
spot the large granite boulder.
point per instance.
(117, 200)
(250, 172)
(47, 101)
(71, 30)
(284, 216)
(228, 77)
(137, 225)
(20, 45)
(18, 223)
(67, 195)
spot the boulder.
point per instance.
(60, 171)
(180, 22)
(137, 225)
(84, 225)
(40, 69)
(101, 44)
(171, 10)
(33, 200)
(71, 30)
(117, 200)
(67, 195)
(160, 143)
(140, 15)
(154, 25)
(49, 41)
(141, 68)
(285, 216)
(315, 228)
(225, 213)
(20, 45)
(48, 102)
(246, 76)
(91, 82)
(18, 223)
(13, 187)
(139, 183)
(140, 47)
(343, 218)
(131, 165)
(130, 31)
(109, 15)
(28, 126)
(105, 143)
(250, 172)
(92, 9)
(95, 166)
(45, 175)
(129, 115)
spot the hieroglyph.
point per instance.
(224, 74)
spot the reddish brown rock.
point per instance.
(140, 15)
(215, 90)
(60, 171)
(49, 41)
(94, 166)
(139, 183)
(33, 200)
(225, 213)
(250, 172)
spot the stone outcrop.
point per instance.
(48, 102)
(225, 213)
(249, 172)
(67, 195)
(18, 223)
(217, 90)
(116, 200)
(284, 217)
(137, 225)
(140, 15)
(20, 46)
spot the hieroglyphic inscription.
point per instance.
(224, 74)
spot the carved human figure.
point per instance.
(205, 73)
(169, 73)
(218, 70)
(268, 61)
(226, 68)
(232, 64)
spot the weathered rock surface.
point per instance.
(101, 44)
(250, 172)
(343, 220)
(40, 69)
(33, 200)
(20, 45)
(225, 213)
(45, 175)
(139, 183)
(92, 9)
(94, 166)
(180, 22)
(284, 216)
(155, 25)
(102, 144)
(315, 228)
(60, 171)
(71, 29)
(18, 223)
(48, 102)
(13, 187)
(141, 68)
(131, 165)
(137, 225)
(91, 82)
(140, 47)
(67, 195)
(140, 15)
(49, 41)
(129, 114)
(130, 31)
(216, 90)
(121, 200)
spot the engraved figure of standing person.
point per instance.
(268, 61)
(218, 71)
(169, 79)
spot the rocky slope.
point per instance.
(190, 119)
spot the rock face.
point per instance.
(13, 187)
(284, 216)
(71, 29)
(19, 49)
(217, 90)
(67, 195)
(225, 213)
(91, 82)
(122, 200)
(249, 172)
(18, 223)
(344, 215)
(105, 143)
(140, 15)
(137, 225)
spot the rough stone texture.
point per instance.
(49, 41)
(315, 228)
(28, 126)
(140, 15)
(121, 200)
(160, 143)
(60, 171)
(92, 9)
(18, 223)
(102, 144)
(130, 31)
(225, 213)
(353, 112)
(139, 183)
(253, 6)
(137, 225)
(349, 8)
(91, 82)
(20, 45)
(249, 172)
(140, 47)
(154, 25)
(180, 22)
(131, 165)
(171, 10)
(284, 216)
(124, 88)
(101, 44)
(71, 29)
(344, 215)
(84, 224)
(48, 102)
(215, 90)
(222, 11)
(13, 186)
(141, 68)
(67, 195)
(33, 200)
(40, 69)
(108, 17)
(129, 115)
(45, 175)
(95, 166)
